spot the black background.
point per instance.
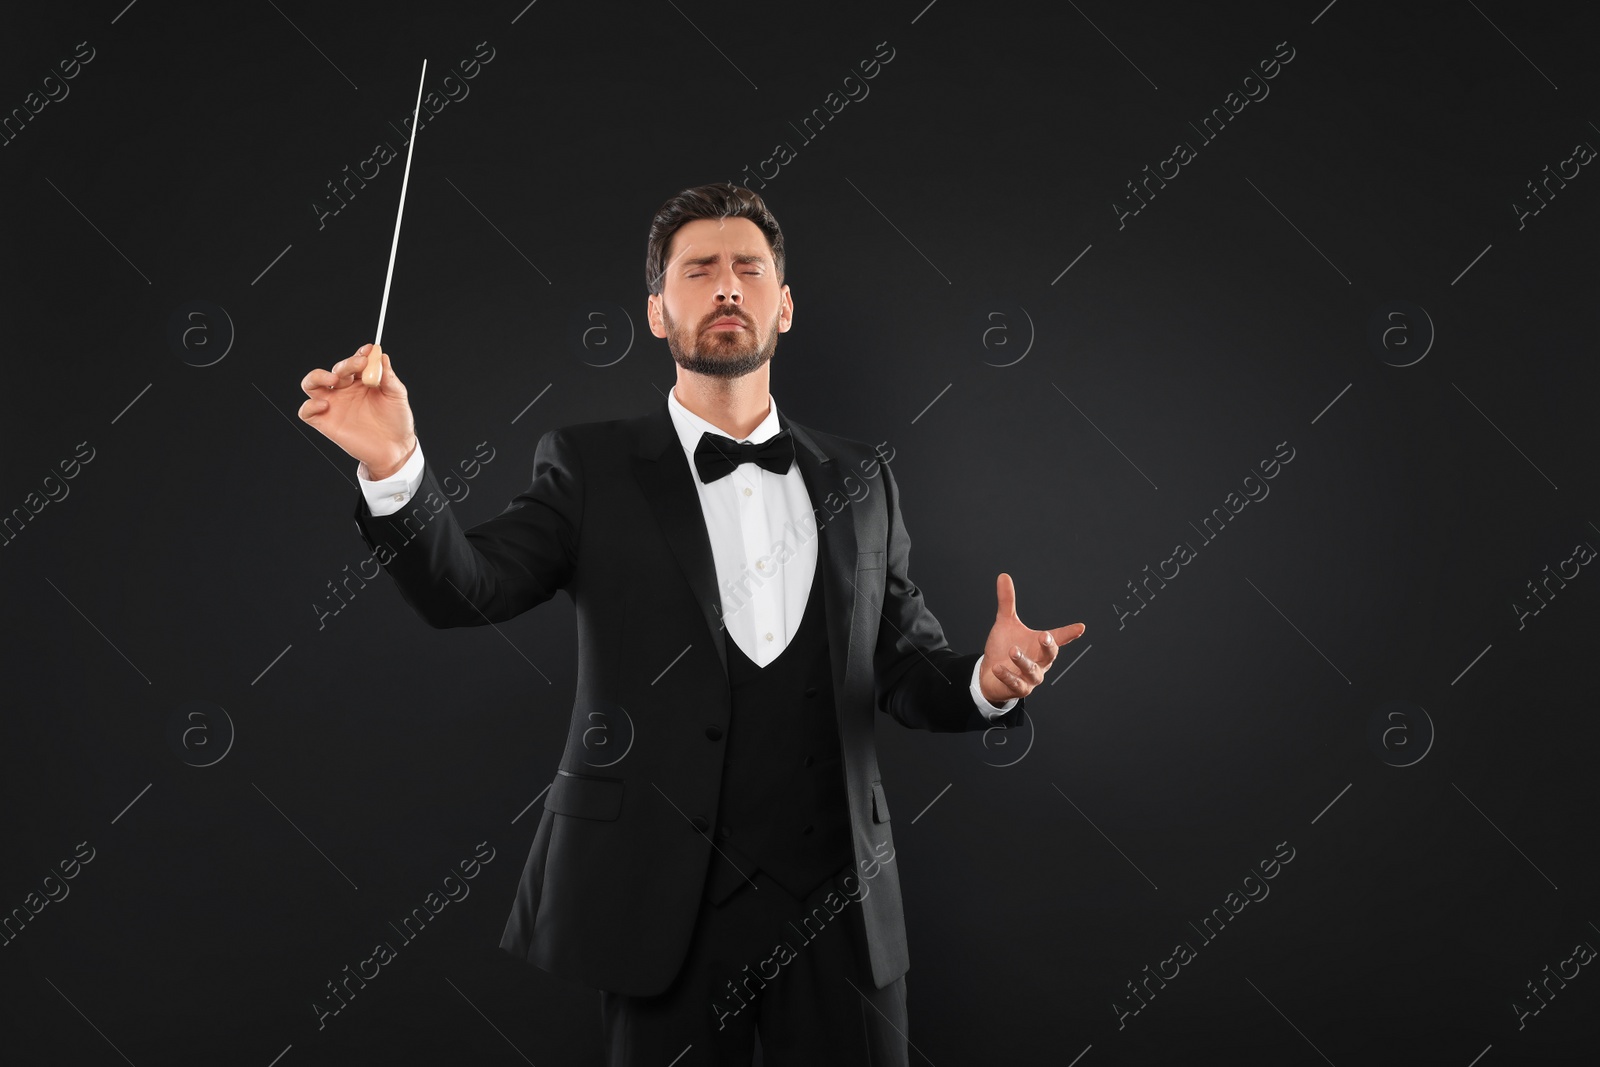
(930, 227)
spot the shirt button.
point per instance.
(747, 490)
(714, 732)
(769, 635)
(761, 565)
(699, 824)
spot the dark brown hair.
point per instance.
(715, 201)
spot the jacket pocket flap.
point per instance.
(587, 798)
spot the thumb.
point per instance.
(391, 384)
(1006, 594)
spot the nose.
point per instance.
(728, 291)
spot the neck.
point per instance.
(734, 405)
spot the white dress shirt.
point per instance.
(763, 539)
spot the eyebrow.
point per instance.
(739, 257)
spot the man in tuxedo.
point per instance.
(722, 867)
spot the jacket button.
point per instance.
(714, 732)
(724, 833)
(809, 760)
(811, 690)
(808, 829)
(699, 824)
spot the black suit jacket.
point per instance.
(609, 894)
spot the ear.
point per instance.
(652, 311)
(785, 310)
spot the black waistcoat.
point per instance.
(783, 808)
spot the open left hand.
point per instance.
(1015, 658)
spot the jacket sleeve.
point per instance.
(919, 679)
(497, 569)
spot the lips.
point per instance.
(727, 324)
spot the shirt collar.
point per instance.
(690, 426)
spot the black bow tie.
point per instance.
(717, 455)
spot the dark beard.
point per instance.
(718, 359)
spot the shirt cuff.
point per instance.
(990, 711)
(391, 494)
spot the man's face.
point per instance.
(720, 269)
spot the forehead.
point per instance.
(710, 236)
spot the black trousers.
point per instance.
(763, 965)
